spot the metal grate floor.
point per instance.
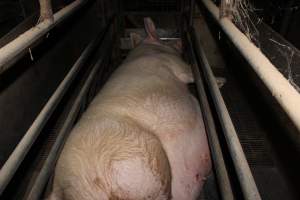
(252, 134)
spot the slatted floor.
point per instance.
(253, 137)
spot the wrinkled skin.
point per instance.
(142, 137)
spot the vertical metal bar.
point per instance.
(286, 21)
(225, 8)
(242, 169)
(46, 10)
(192, 10)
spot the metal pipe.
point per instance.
(47, 169)
(215, 147)
(192, 10)
(285, 94)
(46, 10)
(10, 53)
(17, 156)
(242, 169)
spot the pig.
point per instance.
(142, 137)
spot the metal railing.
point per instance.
(284, 93)
(48, 167)
(13, 51)
(11, 165)
(242, 169)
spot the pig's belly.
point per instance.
(188, 153)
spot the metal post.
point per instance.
(46, 10)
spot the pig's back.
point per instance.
(146, 94)
(156, 99)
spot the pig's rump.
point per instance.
(148, 92)
(112, 158)
(142, 137)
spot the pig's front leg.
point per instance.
(45, 10)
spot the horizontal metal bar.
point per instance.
(152, 13)
(215, 147)
(10, 53)
(285, 94)
(242, 169)
(47, 169)
(161, 38)
(17, 156)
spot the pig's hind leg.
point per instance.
(121, 160)
(143, 176)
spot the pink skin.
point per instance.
(184, 139)
(145, 98)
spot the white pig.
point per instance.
(142, 137)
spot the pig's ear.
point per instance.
(135, 39)
(150, 28)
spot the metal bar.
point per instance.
(287, 16)
(215, 147)
(225, 8)
(242, 169)
(47, 169)
(192, 10)
(285, 94)
(169, 38)
(150, 13)
(10, 53)
(46, 10)
(17, 156)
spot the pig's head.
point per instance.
(171, 52)
(153, 38)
